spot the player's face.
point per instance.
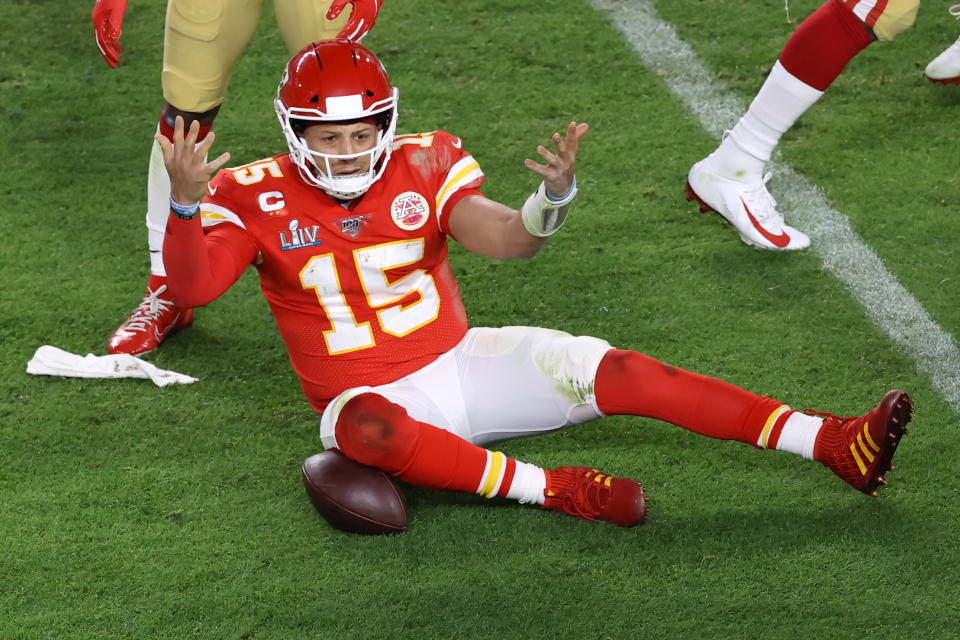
(343, 140)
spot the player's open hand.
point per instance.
(558, 172)
(186, 162)
(107, 26)
(362, 17)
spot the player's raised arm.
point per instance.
(198, 271)
(495, 230)
(187, 164)
(558, 172)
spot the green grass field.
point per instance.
(130, 511)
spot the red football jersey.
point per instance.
(362, 295)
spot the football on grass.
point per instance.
(353, 497)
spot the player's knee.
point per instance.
(570, 361)
(633, 365)
(896, 18)
(617, 363)
(374, 431)
(633, 383)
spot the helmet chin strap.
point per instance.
(328, 181)
(345, 187)
(343, 194)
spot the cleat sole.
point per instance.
(704, 207)
(693, 197)
(899, 409)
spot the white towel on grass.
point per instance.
(51, 361)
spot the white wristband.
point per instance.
(542, 215)
(184, 211)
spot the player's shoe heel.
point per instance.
(693, 197)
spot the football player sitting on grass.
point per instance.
(348, 232)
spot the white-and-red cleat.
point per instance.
(748, 206)
(945, 68)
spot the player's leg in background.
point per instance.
(202, 41)
(731, 180)
(304, 21)
(945, 68)
(858, 449)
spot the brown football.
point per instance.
(353, 497)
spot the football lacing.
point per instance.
(148, 310)
(587, 492)
(762, 204)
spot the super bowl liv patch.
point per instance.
(299, 238)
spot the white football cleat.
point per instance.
(748, 206)
(945, 68)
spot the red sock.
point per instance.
(824, 43)
(631, 383)
(378, 433)
(167, 129)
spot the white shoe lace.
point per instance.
(955, 11)
(148, 310)
(762, 205)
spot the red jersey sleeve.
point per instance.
(454, 172)
(203, 258)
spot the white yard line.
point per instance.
(888, 304)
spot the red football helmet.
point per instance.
(336, 81)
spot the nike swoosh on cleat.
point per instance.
(781, 240)
(161, 335)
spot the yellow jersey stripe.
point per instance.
(459, 175)
(212, 214)
(453, 181)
